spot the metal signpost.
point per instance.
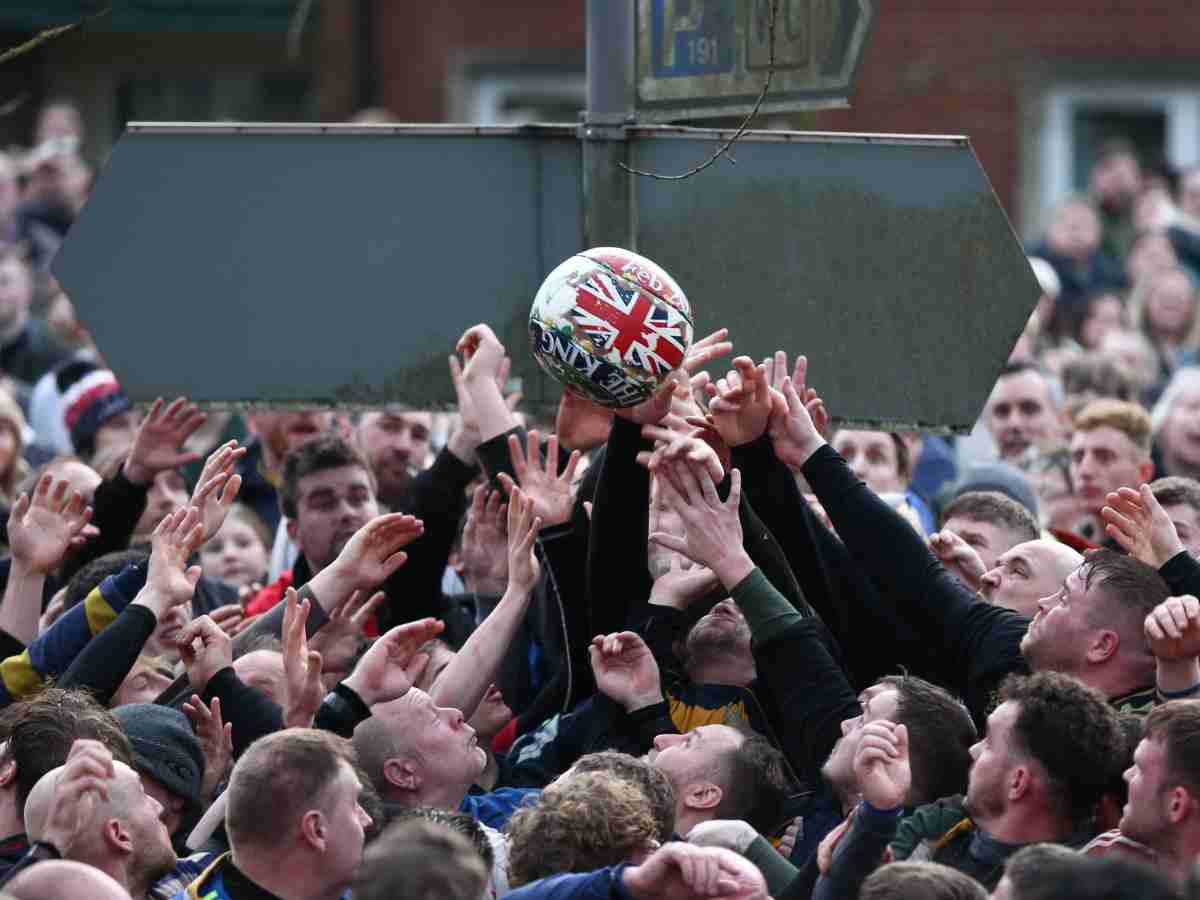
(337, 264)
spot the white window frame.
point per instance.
(1178, 101)
(480, 98)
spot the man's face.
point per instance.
(1187, 523)
(347, 822)
(143, 684)
(1144, 818)
(1026, 573)
(395, 445)
(1059, 636)
(16, 290)
(1075, 231)
(172, 806)
(1020, 414)
(153, 855)
(879, 701)
(1180, 434)
(448, 748)
(685, 758)
(988, 539)
(724, 630)
(330, 506)
(168, 493)
(1102, 460)
(872, 456)
(1171, 304)
(282, 433)
(992, 764)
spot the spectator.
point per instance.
(1102, 313)
(921, 881)
(1114, 183)
(1110, 449)
(293, 819)
(237, 554)
(1022, 411)
(394, 443)
(990, 523)
(1164, 308)
(1175, 422)
(27, 350)
(1073, 247)
(1180, 498)
(274, 437)
(1036, 871)
(418, 860)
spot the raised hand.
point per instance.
(485, 543)
(374, 552)
(216, 742)
(793, 430)
(881, 764)
(1173, 629)
(484, 353)
(732, 834)
(229, 618)
(1137, 522)
(483, 409)
(170, 582)
(159, 439)
(301, 666)
(523, 526)
(958, 557)
(550, 493)
(348, 619)
(393, 663)
(693, 445)
(218, 486)
(625, 670)
(713, 531)
(681, 871)
(699, 355)
(85, 778)
(42, 529)
(205, 650)
(679, 586)
(740, 403)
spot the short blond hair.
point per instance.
(1128, 418)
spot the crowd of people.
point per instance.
(711, 645)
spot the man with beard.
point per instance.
(394, 442)
(121, 832)
(1050, 750)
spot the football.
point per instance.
(610, 325)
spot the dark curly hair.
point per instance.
(1072, 732)
(940, 735)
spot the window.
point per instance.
(512, 92)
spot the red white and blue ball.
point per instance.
(610, 325)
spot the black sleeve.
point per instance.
(117, 506)
(1182, 574)
(110, 655)
(980, 643)
(494, 456)
(252, 712)
(438, 499)
(873, 640)
(618, 574)
(341, 711)
(858, 854)
(9, 645)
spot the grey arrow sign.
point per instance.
(337, 264)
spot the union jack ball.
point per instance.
(610, 325)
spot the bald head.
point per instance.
(123, 793)
(1027, 573)
(56, 879)
(263, 669)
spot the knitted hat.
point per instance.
(90, 397)
(998, 476)
(164, 748)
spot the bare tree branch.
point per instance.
(48, 35)
(723, 150)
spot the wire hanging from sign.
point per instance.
(723, 150)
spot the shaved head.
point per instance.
(59, 878)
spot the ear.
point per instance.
(1104, 647)
(116, 835)
(402, 773)
(1020, 783)
(8, 772)
(291, 528)
(702, 795)
(1180, 805)
(314, 830)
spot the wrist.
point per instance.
(807, 448)
(21, 570)
(152, 600)
(733, 568)
(357, 683)
(633, 704)
(1166, 555)
(1177, 675)
(462, 444)
(136, 473)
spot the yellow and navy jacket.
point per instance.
(52, 653)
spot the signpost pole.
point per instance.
(607, 188)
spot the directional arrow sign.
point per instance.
(338, 264)
(706, 58)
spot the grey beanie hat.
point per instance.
(164, 748)
(1000, 477)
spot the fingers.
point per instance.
(517, 455)
(673, 542)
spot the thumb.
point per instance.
(416, 667)
(901, 734)
(193, 576)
